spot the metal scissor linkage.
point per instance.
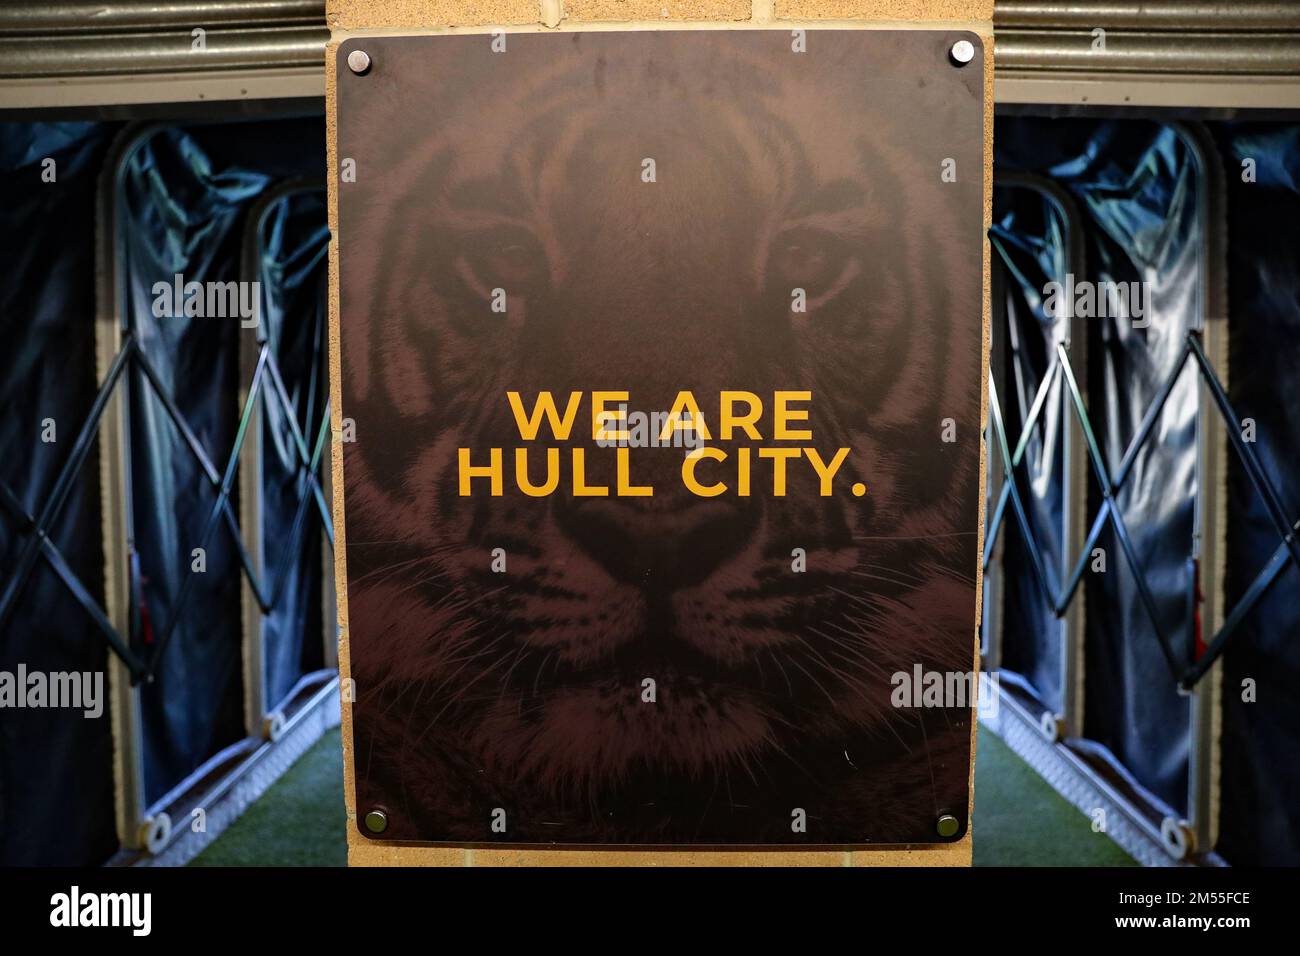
(1286, 554)
(36, 528)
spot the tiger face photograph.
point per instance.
(649, 213)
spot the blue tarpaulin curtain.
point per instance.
(1260, 788)
(294, 275)
(184, 200)
(181, 215)
(1028, 239)
(56, 777)
(1136, 187)
(187, 194)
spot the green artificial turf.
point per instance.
(299, 821)
(1019, 819)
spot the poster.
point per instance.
(661, 391)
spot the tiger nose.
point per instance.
(663, 544)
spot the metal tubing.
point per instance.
(124, 54)
(214, 516)
(254, 342)
(1257, 54)
(1117, 520)
(1166, 15)
(1210, 520)
(1072, 339)
(1263, 581)
(104, 16)
(118, 515)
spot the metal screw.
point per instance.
(962, 52)
(947, 826)
(376, 820)
(359, 62)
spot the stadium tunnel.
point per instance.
(164, 485)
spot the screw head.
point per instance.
(359, 62)
(947, 826)
(962, 52)
(376, 821)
